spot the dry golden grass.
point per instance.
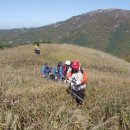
(29, 102)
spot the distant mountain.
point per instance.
(107, 30)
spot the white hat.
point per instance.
(67, 62)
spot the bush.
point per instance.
(1, 47)
(36, 43)
(49, 42)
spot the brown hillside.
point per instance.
(29, 102)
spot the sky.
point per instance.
(36, 13)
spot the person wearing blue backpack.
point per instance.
(60, 69)
(45, 70)
(53, 73)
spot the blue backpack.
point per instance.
(53, 72)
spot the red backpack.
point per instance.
(65, 69)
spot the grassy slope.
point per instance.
(105, 30)
(29, 102)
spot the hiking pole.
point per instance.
(72, 92)
(77, 96)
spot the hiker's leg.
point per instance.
(80, 94)
(73, 94)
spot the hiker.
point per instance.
(35, 46)
(36, 49)
(45, 70)
(77, 77)
(53, 73)
(59, 68)
(66, 67)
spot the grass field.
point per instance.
(29, 102)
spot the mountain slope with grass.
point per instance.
(107, 30)
(29, 102)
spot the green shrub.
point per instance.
(36, 43)
(1, 47)
(128, 58)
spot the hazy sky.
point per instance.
(34, 13)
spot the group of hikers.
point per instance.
(72, 73)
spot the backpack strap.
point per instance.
(81, 69)
(64, 69)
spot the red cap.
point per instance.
(75, 64)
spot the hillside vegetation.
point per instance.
(29, 102)
(107, 30)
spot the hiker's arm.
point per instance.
(68, 75)
(84, 80)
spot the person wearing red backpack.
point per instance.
(77, 77)
(66, 67)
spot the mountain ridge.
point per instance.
(104, 29)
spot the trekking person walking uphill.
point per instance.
(36, 49)
(65, 68)
(77, 77)
(45, 70)
(53, 73)
(59, 68)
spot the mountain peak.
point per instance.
(104, 11)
